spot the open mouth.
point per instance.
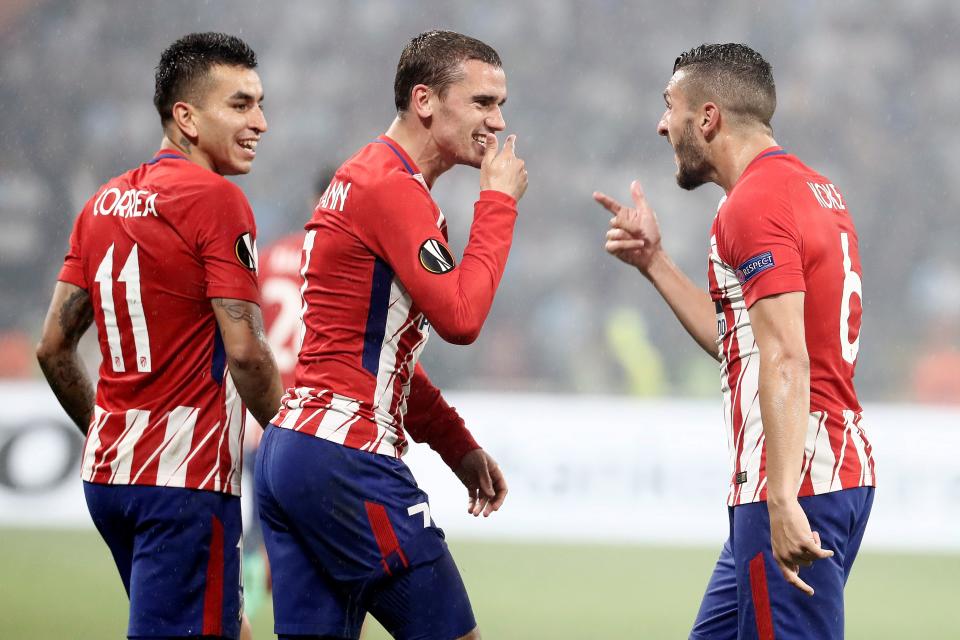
(249, 147)
(480, 139)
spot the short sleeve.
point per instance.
(72, 270)
(226, 242)
(758, 237)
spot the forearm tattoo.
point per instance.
(242, 312)
(64, 370)
(76, 315)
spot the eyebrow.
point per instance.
(488, 99)
(243, 95)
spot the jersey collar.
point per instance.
(407, 161)
(164, 154)
(766, 153)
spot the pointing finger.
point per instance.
(608, 203)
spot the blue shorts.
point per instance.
(178, 553)
(349, 532)
(747, 596)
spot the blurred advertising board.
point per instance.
(579, 468)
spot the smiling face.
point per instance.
(468, 110)
(677, 125)
(228, 119)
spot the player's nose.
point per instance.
(258, 121)
(495, 120)
(662, 126)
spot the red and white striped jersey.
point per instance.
(151, 248)
(377, 274)
(785, 228)
(280, 290)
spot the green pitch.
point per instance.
(62, 584)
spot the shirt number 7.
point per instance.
(421, 507)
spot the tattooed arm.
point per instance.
(69, 316)
(248, 356)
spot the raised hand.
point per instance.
(503, 172)
(794, 544)
(486, 486)
(634, 234)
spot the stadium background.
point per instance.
(867, 94)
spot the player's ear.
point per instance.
(709, 119)
(420, 100)
(185, 117)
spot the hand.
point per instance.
(793, 543)
(484, 481)
(504, 172)
(634, 234)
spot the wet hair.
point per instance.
(433, 58)
(185, 64)
(733, 75)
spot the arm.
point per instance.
(785, 406)
(634, 238)
(455, 299)
(430, 419)
(251, 363)
(69, 316)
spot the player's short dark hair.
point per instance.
(433, 58)
(187, 61)
(734, 75)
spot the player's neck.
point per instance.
(192, 153)
(736, 152)
(419, 145)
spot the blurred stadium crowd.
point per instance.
(867, 90)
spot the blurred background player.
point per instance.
(346, 526)
(280, 280)
(163, 259)
(783, 318)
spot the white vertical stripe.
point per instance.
(236, 424)
(748, 435)
(290, 420)
(814, 424)
(856, 436)
(105, 277)
(197, 449)
(181, 424)
(835, 482)
(307, 251)
(93, 442)
(130, 274)
(868, 468)
(137, 421)
(341, 413)
(821, 466)
(398, 318)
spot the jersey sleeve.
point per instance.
(398, 220)
(431, 420)
(226, 242)
(760, 239)
(72, 270)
